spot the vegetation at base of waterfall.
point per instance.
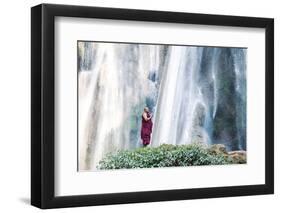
(167, 155)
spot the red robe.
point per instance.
(146, 129)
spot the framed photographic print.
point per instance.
(140, 106)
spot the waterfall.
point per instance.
(113, 90)
(241, 95)
(196, 94)
(168, 98)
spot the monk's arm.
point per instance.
(145, 117)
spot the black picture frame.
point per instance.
(43, 105)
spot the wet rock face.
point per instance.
(197, 131)
(229, 120)
(199, 116)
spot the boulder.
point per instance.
(218, 149)
(238, 156)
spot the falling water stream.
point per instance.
(196, 94)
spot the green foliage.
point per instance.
(165, 155)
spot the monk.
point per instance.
(146, 127)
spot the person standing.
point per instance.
(146, 127)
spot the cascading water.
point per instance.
(115, 82)
(197, 94)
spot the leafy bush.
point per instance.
(165, 155)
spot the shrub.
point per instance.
(165, 155)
